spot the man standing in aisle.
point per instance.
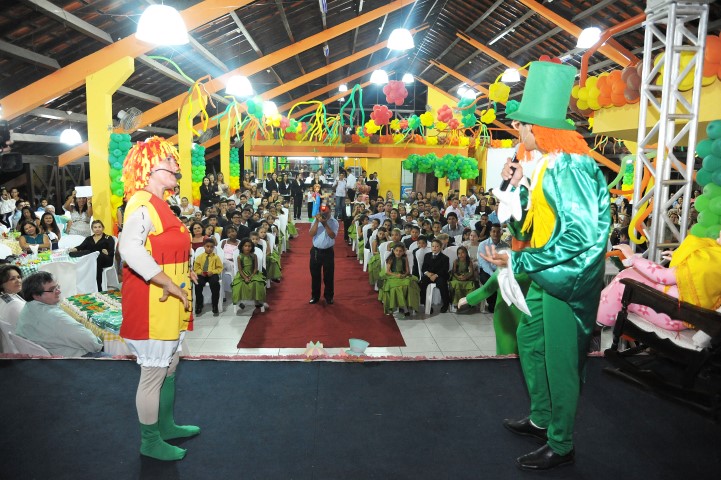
(322, 259)
(341, 190)
(563, 219)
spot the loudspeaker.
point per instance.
(11, 162)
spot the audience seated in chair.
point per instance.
(400, 289)
(43, 321)
(249, 282)
(208, 266)
(101, 243)
(11, 303)
(436, 270)
(462, 277)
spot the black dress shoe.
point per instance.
(526, 429)
(329, 301)
(444, 308)
(544, 459)
(313, 300)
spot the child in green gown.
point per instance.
(374, 264)
(400, 289)
(462, 277)
(249, 282)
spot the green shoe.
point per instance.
(151, 445)
(166, 424)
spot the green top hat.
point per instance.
(546, 96)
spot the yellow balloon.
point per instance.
(593, 104)
(583, 94)
(593, 93)
(706, 81)
(582, 104)
(574, 91)
(591, 82)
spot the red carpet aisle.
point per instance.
(291, 322)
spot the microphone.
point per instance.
(178, 175)
(506, 183)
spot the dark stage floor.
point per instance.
(76, 420)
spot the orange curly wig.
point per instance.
(553, 140)
(141, 158)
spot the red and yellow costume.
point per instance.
(144, 317)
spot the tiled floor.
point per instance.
(440, 335)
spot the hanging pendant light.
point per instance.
(379, 77)
(343, 88)
(269, 108)
(407, 78)
(401, 39)
(70, 137)
(162, 25)
(510, 75)
(239, 86)
(589, 37)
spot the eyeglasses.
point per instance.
(56, 288)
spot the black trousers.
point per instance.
(214, 282)
(442, 285)
(491, 301)
(310, 210)
(351, 194)
(297, 207)
(322, 264)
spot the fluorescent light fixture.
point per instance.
(70, 137)
(510, 75)
(462, 90)
(239, 86)
(589, 37)
(407, 78)
(341, 99)
(469, 93)
(343, 88)
(162, 25)
(401, 39)
(379, 77)
(269, 108)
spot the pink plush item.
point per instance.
(646, 272)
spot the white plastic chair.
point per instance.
(452, 254)
(283, 226)
(6, 343)
(354, 241)
(26, 347)
(383, 251)
(458, 239)
(65, 275)
(413, 246)
(5, 251)
(366, 245)
(432, 293)
(70, 241)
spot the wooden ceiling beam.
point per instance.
(460, 77)
(491, 53)
(575, 30)
(284, 20)
(253, 43)
(28, 56)
(171, 106)
(73, 76)
(328, 88)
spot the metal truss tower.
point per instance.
(685, 23)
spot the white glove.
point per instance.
(510, 290)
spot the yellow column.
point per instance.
(225, 150)
(185, 141)
(99, 88)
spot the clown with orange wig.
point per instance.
(560, 223)
(156, 291)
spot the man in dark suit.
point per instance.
(435, 269)
(346, 216)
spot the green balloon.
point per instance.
(716, 177)
(702, 202)
(716, 147)
(704, 177)
(713, 129)
(712, 190)
(713, 231)
(712, 162)
(703, 148)
(714, 206)
(707, 218)
(698, 230)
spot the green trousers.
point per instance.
(548, 344)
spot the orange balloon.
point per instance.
(709, 68)
(618, 87)
(615, 76)
(602, 82)
(604, 100)
(713, 49)
(618, 99)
